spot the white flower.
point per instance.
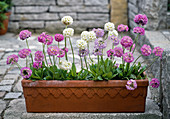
(114, 32)
(91, 61)
(85, 36)
(109, 26)
(68, 32)
(67, 20)
(65, 65)
(92, 36)
(81, 44)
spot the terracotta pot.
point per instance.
(84, 96)
(5, 22)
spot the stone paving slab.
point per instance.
(6, 88)
(11, 95)
(2, 94)
(2, 106)
(7, 82)
(17, 110)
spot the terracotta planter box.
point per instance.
(84, 96)
(5, 23)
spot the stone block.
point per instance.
(98, 9)
(133, 2)
(2, 106)
(96, 2)
(133, 8)
(73, 15)
(5, 88)
(41, 16)
(93, 16)
(11, 95)
(18, 87)
(31, 9)
(34, 2)
(7, 82)
(31, 24)
(70, 2)
(13, 26)
(2, 94)
(11, 77)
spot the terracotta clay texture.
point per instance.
(5, 22)
(84, 96)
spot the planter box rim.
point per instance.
(80, 83)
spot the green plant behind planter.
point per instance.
(3, 9)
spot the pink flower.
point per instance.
(49, 40)
(99, 32)
(39, 56)
(24, 53)
(122, 28)
(158, 51)
(133, 47)
(61, 53)
(53, 50)
(110, 53)
(154, 83)
(114, 39)
(146, 50)
(24, 34)
(126, 41)
(141, 19)
(59, 37)
(12, 59)
(65, 49)
(139, 30)
(26, 72)
(45, 38)
(37, 65)
(131, 84)
(118, 51)
(128, 57)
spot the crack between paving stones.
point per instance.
(3, 112)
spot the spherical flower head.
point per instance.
(133, 47)
(12, 59)
(110, 53)
(114, 32)
(118, 51)
(97, 51)
(100, 43)
(114, 39)
(49, 39)
(59, 37)
(99, 32)
(128, 57)
(131, 84)
(67, 20)
(139, 30)
(141, 19)
(122, 28)
(126, 41)
(26, 72)
(68, 32)
(158, 51)
(24, 34)
(92, 36)
(42, 37)
(109, 26)
(61, 53)
(24, 53)
(154, 83)
(83, 52)
(37, 65)
(53, 50)
(146, 50)
(65, 49)
(85, 36)
(39, 56)
(81, 44)
(65, 65)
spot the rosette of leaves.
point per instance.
(3, 9)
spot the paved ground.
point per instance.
(12, 104)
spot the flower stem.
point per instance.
(29, 48)
(59, 47)
(49, 57)
(54, 60)
(136, 60)
(65, 47)
(85, 62)
(18, 65)
(98, 59)
(135, 41)
(89, 52)
(72, 49)
(81, 63)
(26, 61)
(45, 54)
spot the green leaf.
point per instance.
(132, 76)
(99, 78)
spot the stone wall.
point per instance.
(45, 15)
(155, 10)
